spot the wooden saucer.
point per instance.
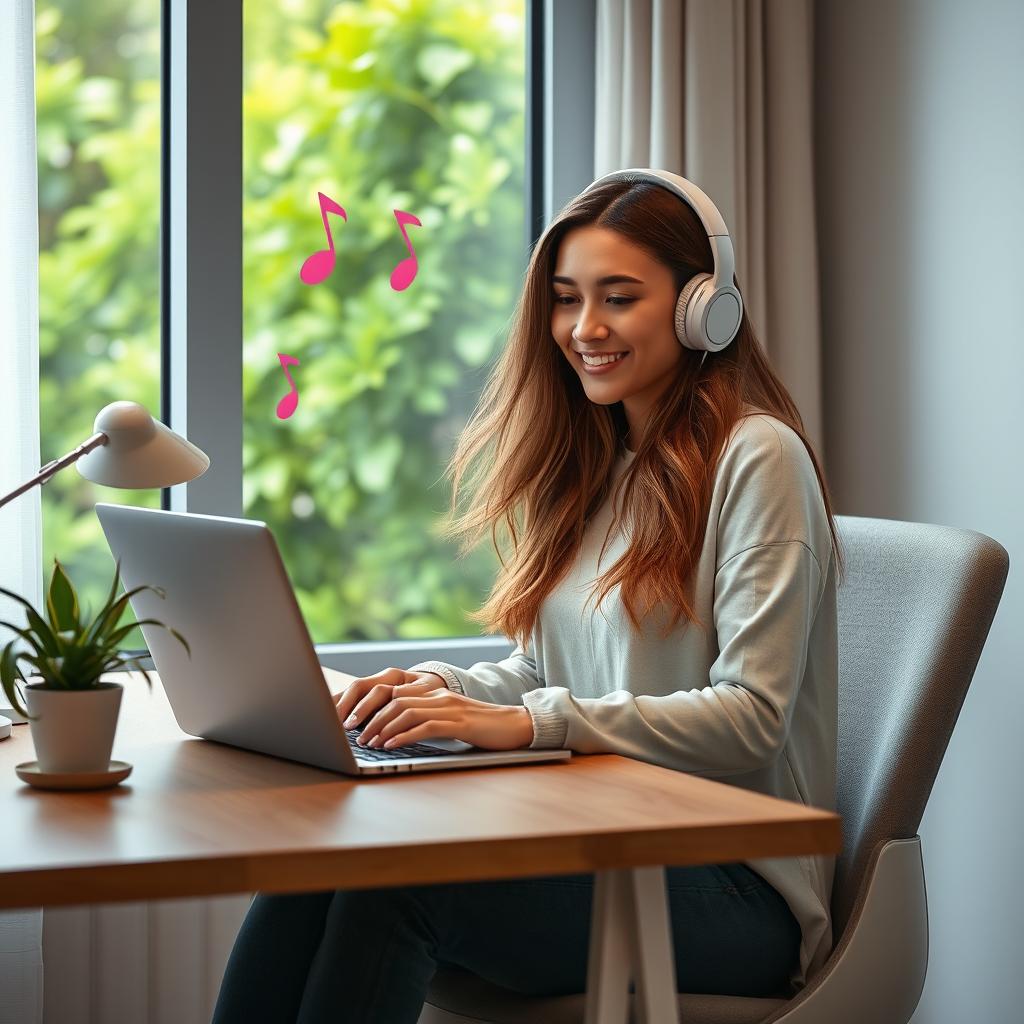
(30, 772)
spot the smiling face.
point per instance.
(613, 316)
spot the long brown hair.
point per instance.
(549, 451)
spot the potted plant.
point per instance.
(71, 713)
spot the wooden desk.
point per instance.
(197, 818)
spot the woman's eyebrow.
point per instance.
(610, 279)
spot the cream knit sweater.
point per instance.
(753, 703)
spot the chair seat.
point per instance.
(467, 995)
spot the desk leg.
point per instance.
(609, 961)
(653, 958)
(630, 937)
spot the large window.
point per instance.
(409, 115)
(98, 125)
(381, 106)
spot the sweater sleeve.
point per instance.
(766, 598)
(496, 682)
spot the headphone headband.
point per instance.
(686, 190)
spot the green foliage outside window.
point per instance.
(382, 105)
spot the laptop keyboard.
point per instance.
(376, 754)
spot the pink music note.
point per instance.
(405, 273)
(317, 266)
(287, 404)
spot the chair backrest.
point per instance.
(914, 611)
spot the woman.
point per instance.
(676, 480)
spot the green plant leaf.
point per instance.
(67, 641)
(51, 666)
(113, 585)
(138, 668)
(42, 664)
(107, 603)
(106, 651)
(100, 624)
(17, 597)
(43, 631)
(175, 633)
(10, 673)
(25, 635)
(75, 668)
(119, 634)
(109, 617)
(62, 601)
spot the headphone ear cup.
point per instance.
(687, 298)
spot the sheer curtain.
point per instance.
(21, 956)
(722, 93)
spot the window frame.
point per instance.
(201, 246)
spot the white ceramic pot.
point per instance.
(75, 729)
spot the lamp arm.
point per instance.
(57, 465)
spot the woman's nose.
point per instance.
(588, 327)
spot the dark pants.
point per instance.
(366, 956)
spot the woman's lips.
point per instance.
(597, 371)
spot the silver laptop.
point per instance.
(253, 680)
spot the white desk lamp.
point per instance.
(127, 449)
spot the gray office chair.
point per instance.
(914, 613)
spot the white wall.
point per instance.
(920, 192)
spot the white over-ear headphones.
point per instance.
(709, 309)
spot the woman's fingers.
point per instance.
(350, 704)
(398, 715)
(379, 700)
(416, 702)
(404, 717)
(361, 687)
(425, 731)
(378, 697)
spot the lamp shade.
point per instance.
(140, 451)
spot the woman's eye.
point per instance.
(615, 300)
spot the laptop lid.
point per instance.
(254, 679)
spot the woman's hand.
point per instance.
(419, 709)
(365, 695)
